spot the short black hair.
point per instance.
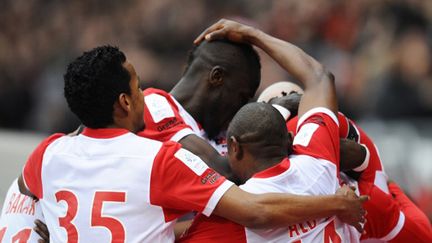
(260, 126)
(93, 83)
(230, 55)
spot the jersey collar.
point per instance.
(275, 170)
(104, 132)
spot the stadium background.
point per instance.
(380, 52)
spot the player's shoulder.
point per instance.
(49, 141)
(159, 105)
(135, 144)
(317, 115)
(52, 138)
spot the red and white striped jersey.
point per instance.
(110, 185)
(17, 217)
(166, 119)
(372, 168)
(311, 170)
(384, 219)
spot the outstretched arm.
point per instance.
(280, 210)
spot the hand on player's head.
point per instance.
(225, 29)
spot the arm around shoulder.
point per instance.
(281, 210)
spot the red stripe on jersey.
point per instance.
(275, 170)
(104, 132)
(417, 227)
(176, 187)
(382, 211)
(213, 229)
(32, 173)
(374, 161)
(165, 129)
(323, 140)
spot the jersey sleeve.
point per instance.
(33, 168)
(162, 118)
(318, 135)
(347, 128)
(182, 182)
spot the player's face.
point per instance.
(233, 96)
(137, 97)
(236, 160)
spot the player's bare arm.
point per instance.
(208, 154)
(352, 154)
(23, 188)
(279, 210)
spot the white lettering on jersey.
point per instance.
(305, 134)
(192, 161)
(159, 107)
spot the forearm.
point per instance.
(353, 156)
(282, 210)
(318, 83)
(22, 187)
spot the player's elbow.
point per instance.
(320, 75)
(326, 76)
(258, 219)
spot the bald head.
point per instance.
(239, 61)
(261, 128)
(279, 89)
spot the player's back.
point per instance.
(98, 190)
(18, 216)
(301, 175)
(305, 175)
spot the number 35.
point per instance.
(97, 220)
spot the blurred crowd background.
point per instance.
(379, 51)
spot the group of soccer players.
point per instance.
(146, 158)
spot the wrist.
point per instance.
(254, 35)
(340, 204)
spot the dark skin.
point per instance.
(212, 96)
(42, 231)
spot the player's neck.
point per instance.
(263, 162)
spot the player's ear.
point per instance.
(216, 76)
(125, 102)
(123, 105)
(236, 148)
